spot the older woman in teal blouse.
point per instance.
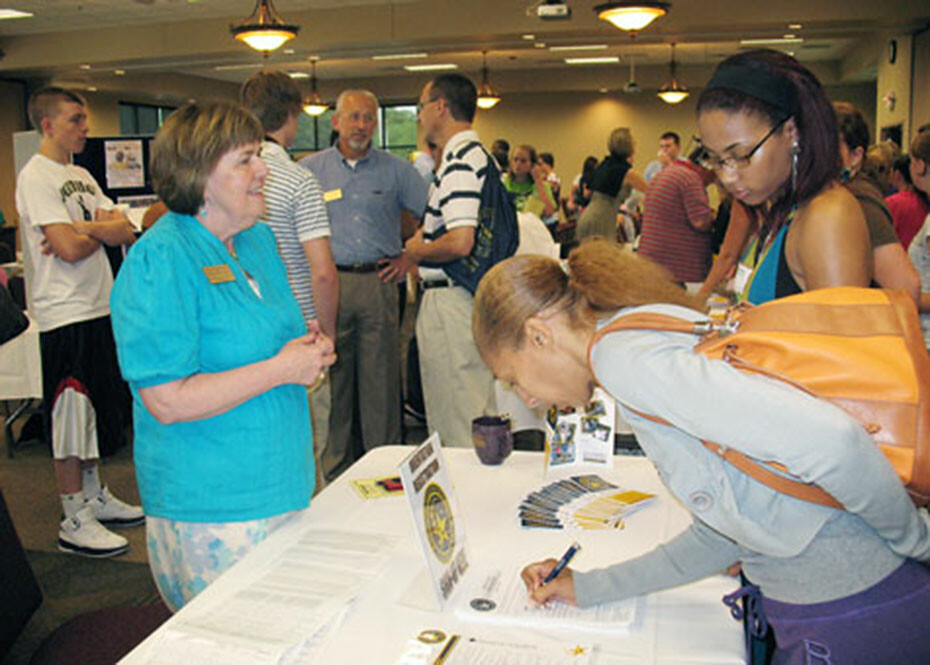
(217, 356)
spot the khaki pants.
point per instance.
(457, 386)
(319, 417)
(365, 380)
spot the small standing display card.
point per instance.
(583, 437)
(436, 518)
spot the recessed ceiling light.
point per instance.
(92, 88)
(288, 51)
(430, 68)
(602, 90)
(540, 45)
(298, 75)
(769, 40)
(789, 36)
(795, 26)
(592, 61)
(119, 72)
(85, 67)
(528, 37)
(399, 56)
(579, 47)
(13, 13)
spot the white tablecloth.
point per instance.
(21, 366)
(688, 625)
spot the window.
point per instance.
(141, 118)
(399, 129)
(396, 133)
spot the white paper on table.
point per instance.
(467, 650)
(291, 598)
(173, 647)
(499, 596)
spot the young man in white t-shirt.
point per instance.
(65, 221)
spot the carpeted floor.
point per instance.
(71, 585)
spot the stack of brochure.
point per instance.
(580, 502)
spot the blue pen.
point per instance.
(564, 561)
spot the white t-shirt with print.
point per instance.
(62, 293)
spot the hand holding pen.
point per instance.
(551, 580)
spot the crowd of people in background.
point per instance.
(259, 329)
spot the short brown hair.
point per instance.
(189, 145)
(273, 97)
(43, 103)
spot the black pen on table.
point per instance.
(564, 561)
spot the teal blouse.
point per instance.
(171, 321)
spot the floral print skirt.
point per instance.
(186, 557)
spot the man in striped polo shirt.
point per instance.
(677, 220)
(295, 211)
(456, 384)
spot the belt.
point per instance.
(437, 284)
(359, 267)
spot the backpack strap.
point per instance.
(794, 488)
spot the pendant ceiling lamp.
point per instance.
(487, 97)
(264, 30)
(314, 104)
(631, 16)
(673, 92)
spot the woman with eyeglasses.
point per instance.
(769, 132)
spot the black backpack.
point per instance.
(497, 235)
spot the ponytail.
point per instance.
(602, 277)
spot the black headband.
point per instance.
(756, 82)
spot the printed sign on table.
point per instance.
(582, 437)
(436, 517)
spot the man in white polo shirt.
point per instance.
(65, 221)
(457, 386)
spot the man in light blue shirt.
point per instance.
(368, 194)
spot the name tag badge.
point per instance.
(219, 274)
(332, 195)
(743, 273)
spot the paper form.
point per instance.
(290, 599)
(501, 597)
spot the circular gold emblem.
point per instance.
(440, 527)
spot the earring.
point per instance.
(795, 150)
(202, 213)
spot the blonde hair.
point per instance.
(189, 145)
(879, 161)
(601, 278)
(620, 142)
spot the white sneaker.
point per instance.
(83, 534)
(112, 512)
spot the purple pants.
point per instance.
(886, 624)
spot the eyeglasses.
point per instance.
(734, 162)
(423, 105)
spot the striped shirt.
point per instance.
(675, 202)
(455, 198)
(295, 211)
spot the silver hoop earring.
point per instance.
(202, 213)
(795, 150)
